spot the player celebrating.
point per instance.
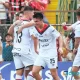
(47, 36)
(23, 57)
(76, 28)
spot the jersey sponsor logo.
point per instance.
(43, 40)
(19, 49)
(45, 45)
(16, 54)
(40, 35)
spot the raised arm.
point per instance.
(11, 29)
(30, 24)
(66, 28)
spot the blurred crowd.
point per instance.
(9, 8)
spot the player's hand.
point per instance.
(64, 26)
(74, 51)
(60, 50)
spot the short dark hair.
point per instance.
(28, 8)
(8, 35)
(78, 12)
(17, 14)
(38, 15)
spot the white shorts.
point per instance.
(23, 60)
(77, 58)
(51, 62)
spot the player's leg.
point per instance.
(54, 74)
(52, 65)
(76, 66)
(75, 70)
(19, 66)
(19, 73)
(28, 62)
(38, 65)
(30, 76)
(35, 72)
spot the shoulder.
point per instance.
(51, 28)
(76, 23)
(18, 22)
(32, 28)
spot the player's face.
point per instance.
(38, 22)
(8, 38)
(20, 16)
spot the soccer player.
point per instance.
(47, 36)
(76, 28)
(22, 52)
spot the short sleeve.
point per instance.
(75, 24)
(54, 32)
(32, 31)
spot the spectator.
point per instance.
(7, 48)
(4, 4)
(18, 16)
(0, 49)
(68, 48)
(16, 5)
(69, 41)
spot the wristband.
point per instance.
(65, 27)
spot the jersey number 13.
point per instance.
(18, 38)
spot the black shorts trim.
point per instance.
(28, 66)
(20, 68)
(42, 67)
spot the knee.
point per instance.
(54, 74)
(34, 73)
(75, 69)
